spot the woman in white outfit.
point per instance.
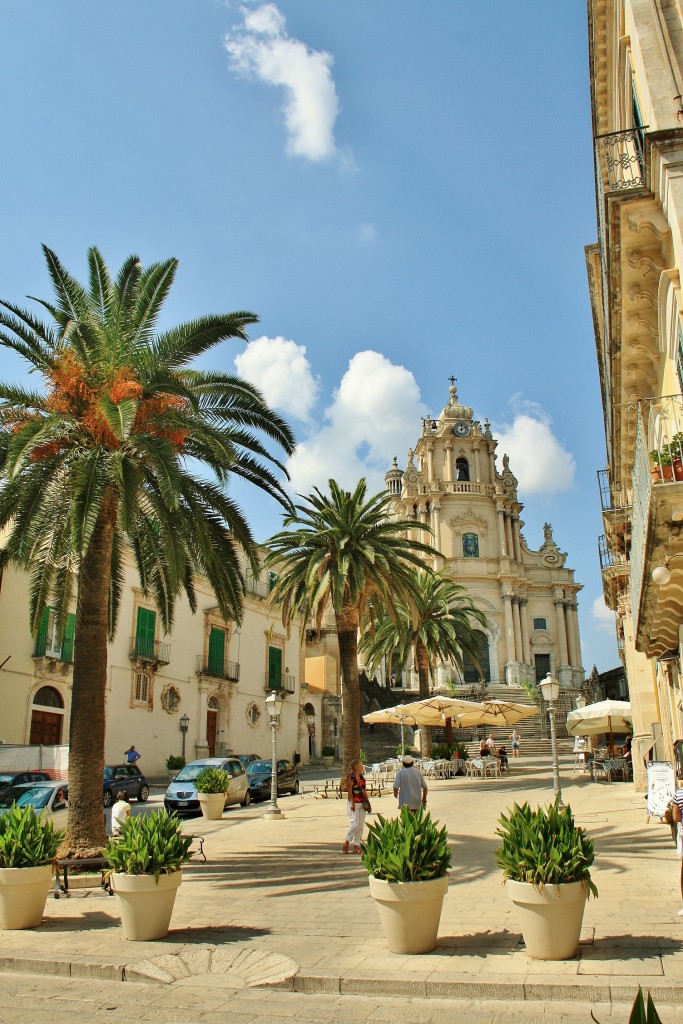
(357, 799)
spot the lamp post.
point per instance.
(184, 726)
(274, 708)
(550, 688)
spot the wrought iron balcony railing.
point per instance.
(613, 497)
(622, 156)
(152, 651)
(45, 647)
(608, 558)
(220, 668)
(257, 588)
(286, 683)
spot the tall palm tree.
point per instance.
(340, 551)
(440, 623)
(125, 444)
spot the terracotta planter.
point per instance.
(212, 805)
(23, 895)
(550, 917)
(677, 465)
(146, 905)
(409, 912)
(655, 474)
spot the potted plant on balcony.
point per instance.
(407, 860)
(212, 788)
(545, 859)
(146, 861)
(174, 762)
(328, 756)
(661, 468)
(28, 846)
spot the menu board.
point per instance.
(661, 786)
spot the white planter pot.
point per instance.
(212, 805)
(146, 905)
(23, 894)
(410, 912)
(328, 761)
(550, 917)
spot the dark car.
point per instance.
(259, 773)
(124, 778)
(18, 778)
(246, 759)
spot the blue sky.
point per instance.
(401, 191)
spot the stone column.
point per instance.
(436, 527)
(201, 743)
(517, 538)
(492, 465)
(500, 512)
(477, 474)
(447, 461)
(509, 627)
(526, 649)
(561, 631)
(430, 461)
(517, 629)
(508, 534)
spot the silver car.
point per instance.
(50, 800)
(181, 796)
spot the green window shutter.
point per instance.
(272, 580)
(145, 633)
(217, 652)
(68, 641)
(41, 635)
(274, 668)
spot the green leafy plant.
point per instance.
(410, 848)
(440, 750)
(544, 847)
(26, 840)
(662, 456)
(327, 751)
(174, 762)
(639, 1013)
(149, 844)
(406, 749)
(362, 757)
(212, 780)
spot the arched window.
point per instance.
(470, 545)
(462, 468)
(48, 697)
(142, 688)
(475, 673)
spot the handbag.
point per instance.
(367, 806)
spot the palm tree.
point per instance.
(125, 445)
(339, 551)
(439, 624)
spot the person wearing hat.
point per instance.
(409, 785)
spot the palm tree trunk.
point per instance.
(86, 832)
(422, 662)
(347, 636)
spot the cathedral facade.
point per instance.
(452, 484)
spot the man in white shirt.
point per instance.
(120, 813)
(409, 785)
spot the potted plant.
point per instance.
(146, 861)
(28, 846)
(546, 859)
(407, 860)
(212, 788)
(328, 756)
(661, 459)
(174, 762)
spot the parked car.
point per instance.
(124, 778)
(246, 759)
(259, 774)
(17, 778)
(49, 799)
(181, 796)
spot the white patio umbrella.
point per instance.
(606, 716)
(500, 713)
(429, 711)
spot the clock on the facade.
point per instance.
(461, 429)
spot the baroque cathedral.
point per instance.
(453, 485)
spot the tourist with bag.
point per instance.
(356, 805)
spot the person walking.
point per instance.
(677, 814)
(356, 804)
(132, 755)
(409, 785)
(120, 813)
(514, 743)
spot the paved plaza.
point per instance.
(279, 925)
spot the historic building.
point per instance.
(209, 675)
(453, 484)
(636, 68)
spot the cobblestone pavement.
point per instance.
(279, 925)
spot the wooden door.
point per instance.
(211, 723)
(46, 727)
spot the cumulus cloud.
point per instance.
(260, 47)
(603, 618)
(280, 370)
(537, 458)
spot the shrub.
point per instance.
(212, 780)
(409, 848)
(639, 1015)
(407, 749)
(26, 841)
(174, 762)
(327, 751)
(149, 844)
(544, 847)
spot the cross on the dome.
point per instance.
(452, 380)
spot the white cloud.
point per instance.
(367, 233)
(603, 618)
(261, 47)
(282, 373)
(537, 458)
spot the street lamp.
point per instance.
(184, 726)
(550, 688)
(274, 708)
